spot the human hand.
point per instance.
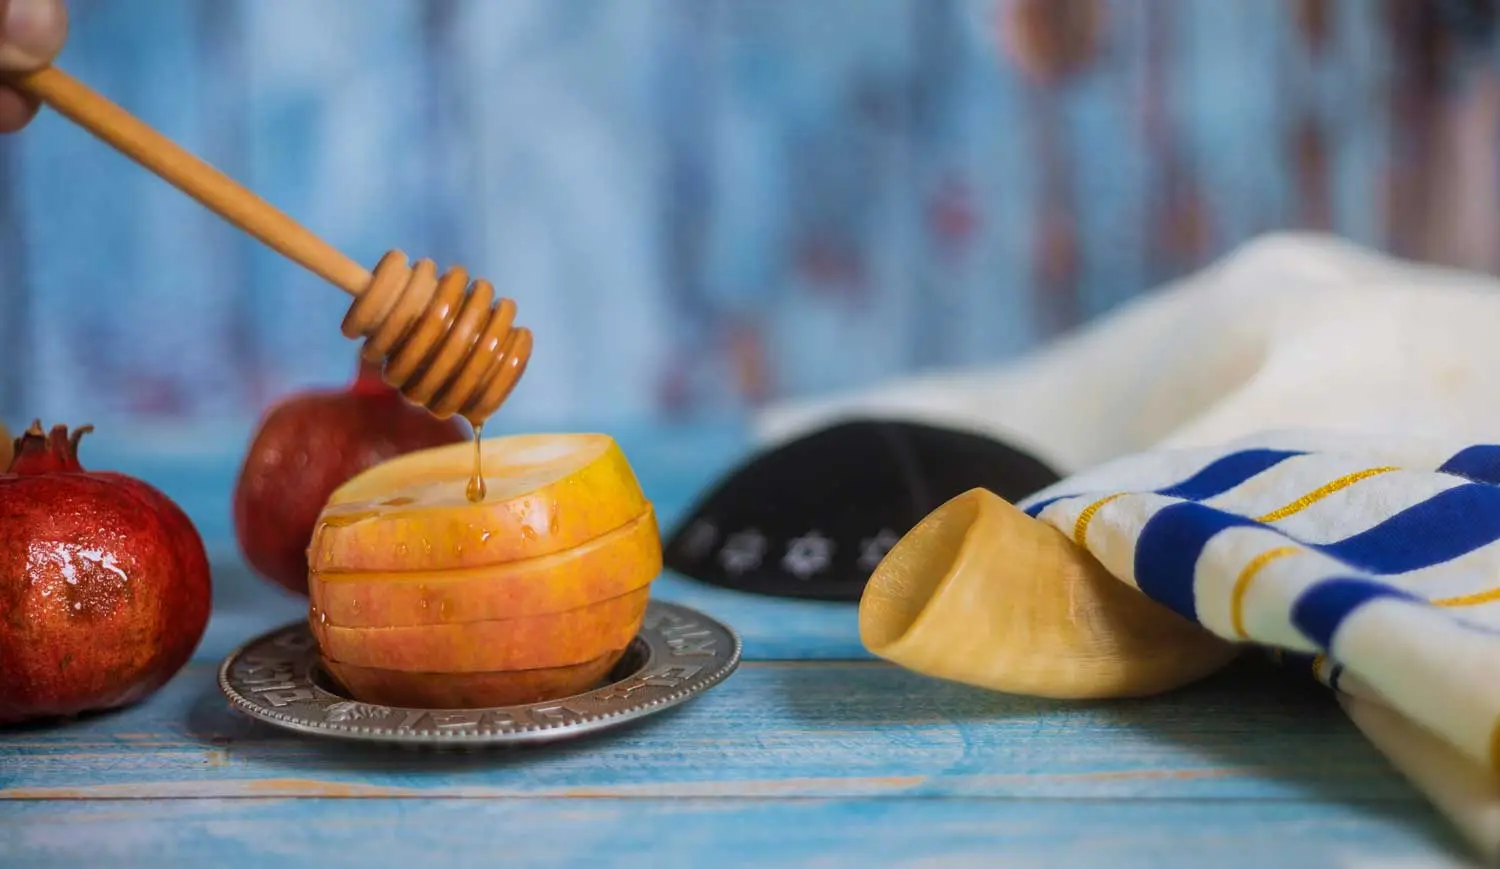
(31, 34)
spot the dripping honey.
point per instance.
(475, 490)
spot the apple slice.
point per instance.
(528, 643)
(546, 493)
(471, 690)
(606, 567)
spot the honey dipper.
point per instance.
(446, 343)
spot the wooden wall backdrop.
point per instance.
(702, 204)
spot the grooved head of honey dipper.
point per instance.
(445, 345)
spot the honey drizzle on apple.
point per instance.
(476, 489)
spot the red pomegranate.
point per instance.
(306, 446)
(104, 583)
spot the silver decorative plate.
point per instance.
(679, 653)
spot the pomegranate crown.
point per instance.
(41, 452)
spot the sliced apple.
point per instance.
(527, 643)
(606, 567)
(471, 690)
(421, 597)
(546, 493)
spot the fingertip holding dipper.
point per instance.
(978, 592)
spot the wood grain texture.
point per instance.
(772, 730)
(1048, 834)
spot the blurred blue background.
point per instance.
(703, 205)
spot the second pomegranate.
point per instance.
(307, 445)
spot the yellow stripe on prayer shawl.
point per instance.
(1320, 493)
(1477, 597)
(1081, 527)
(1246, 577)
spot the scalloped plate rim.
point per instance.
(585, 713)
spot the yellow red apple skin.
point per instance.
(609, 566)
(471, 690)
(526, 643)
(372, 534)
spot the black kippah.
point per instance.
(811, 518)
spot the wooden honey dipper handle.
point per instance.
(448, 345)
(221, 194)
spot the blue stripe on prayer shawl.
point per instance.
(1167, 551)
(1217, 477)
(1480, 463)
(1447, 525)
(1226, 473)
(1319, 611)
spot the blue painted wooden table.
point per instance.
(812, 754)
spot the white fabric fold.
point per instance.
(1287, 332)
(1465, 793)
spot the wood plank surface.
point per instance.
(724, 834)
(774, 729)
